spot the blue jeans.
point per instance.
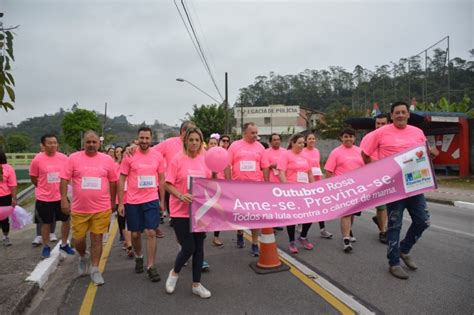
(416, 206)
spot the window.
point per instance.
(267, 120)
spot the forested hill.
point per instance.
(332, 88)
(25, 137)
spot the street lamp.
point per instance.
(202, 91)
(225, 102)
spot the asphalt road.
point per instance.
(443, 283)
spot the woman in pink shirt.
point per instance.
(7, 193)
(313, 156)
(125, 235)
(294, 167)
(224, 142)
(185, 165)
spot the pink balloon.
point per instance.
(5, 212)
(216, 159)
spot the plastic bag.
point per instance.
(20, 218)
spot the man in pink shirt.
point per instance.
(245, 163)
(143, 172)
(386, 141)
(380, 219)
(44, 173)
(94, 185)
(341, 160)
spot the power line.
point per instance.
(189, 33)
(200, 49)
(197, 44)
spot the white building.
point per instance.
(281, 119)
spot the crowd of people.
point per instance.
(142, 182)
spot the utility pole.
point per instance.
(226, 107)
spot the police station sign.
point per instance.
(267, 111)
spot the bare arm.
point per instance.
(161, 179)
(113, 193)
(34, 180)
(366, 158)
(282, 177)
(266, 174)
(328, 174)
(13, 190)
(227, 173)
(65, 207)
(187, 197)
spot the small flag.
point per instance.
(375, 110)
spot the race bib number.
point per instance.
(248, 166)
(53, 178)
(316, 171)
(146, 181)
(302, 177)
(190, 177)
(91, 183)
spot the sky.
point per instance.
(129, 53)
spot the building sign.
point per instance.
(267, 111)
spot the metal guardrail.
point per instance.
(15, 159)
(26, 193)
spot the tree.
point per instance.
(209, 118)
(7, 83)
(334, 121)
(18, 143)
(76, 122)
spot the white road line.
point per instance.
(345, 298)
(348, 300)
(436, 227)
(463, 204)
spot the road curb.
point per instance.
(454, 203)
(44, 269)
(25, 298)
(441, 201)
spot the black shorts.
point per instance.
(6, 200)
(49, 211)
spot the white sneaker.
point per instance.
(352, 239)
(171, 282)
(52, 237)
(96, 276)
(325, 234)
(202, 291)
(83, 266)
(37, 241)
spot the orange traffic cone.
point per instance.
(268, 261)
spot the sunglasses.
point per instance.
(225, 140)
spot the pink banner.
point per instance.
(220, 205)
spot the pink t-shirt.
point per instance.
(47, 169)
(90, 181)
(271, 156)
(342, 160)
(295, 166)
(169, 148)
(142, 171)
(389, 140)
(314, 158)
(374, 156)
(9, 180)
(245, 160)
(179, 173)
(117, 168)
